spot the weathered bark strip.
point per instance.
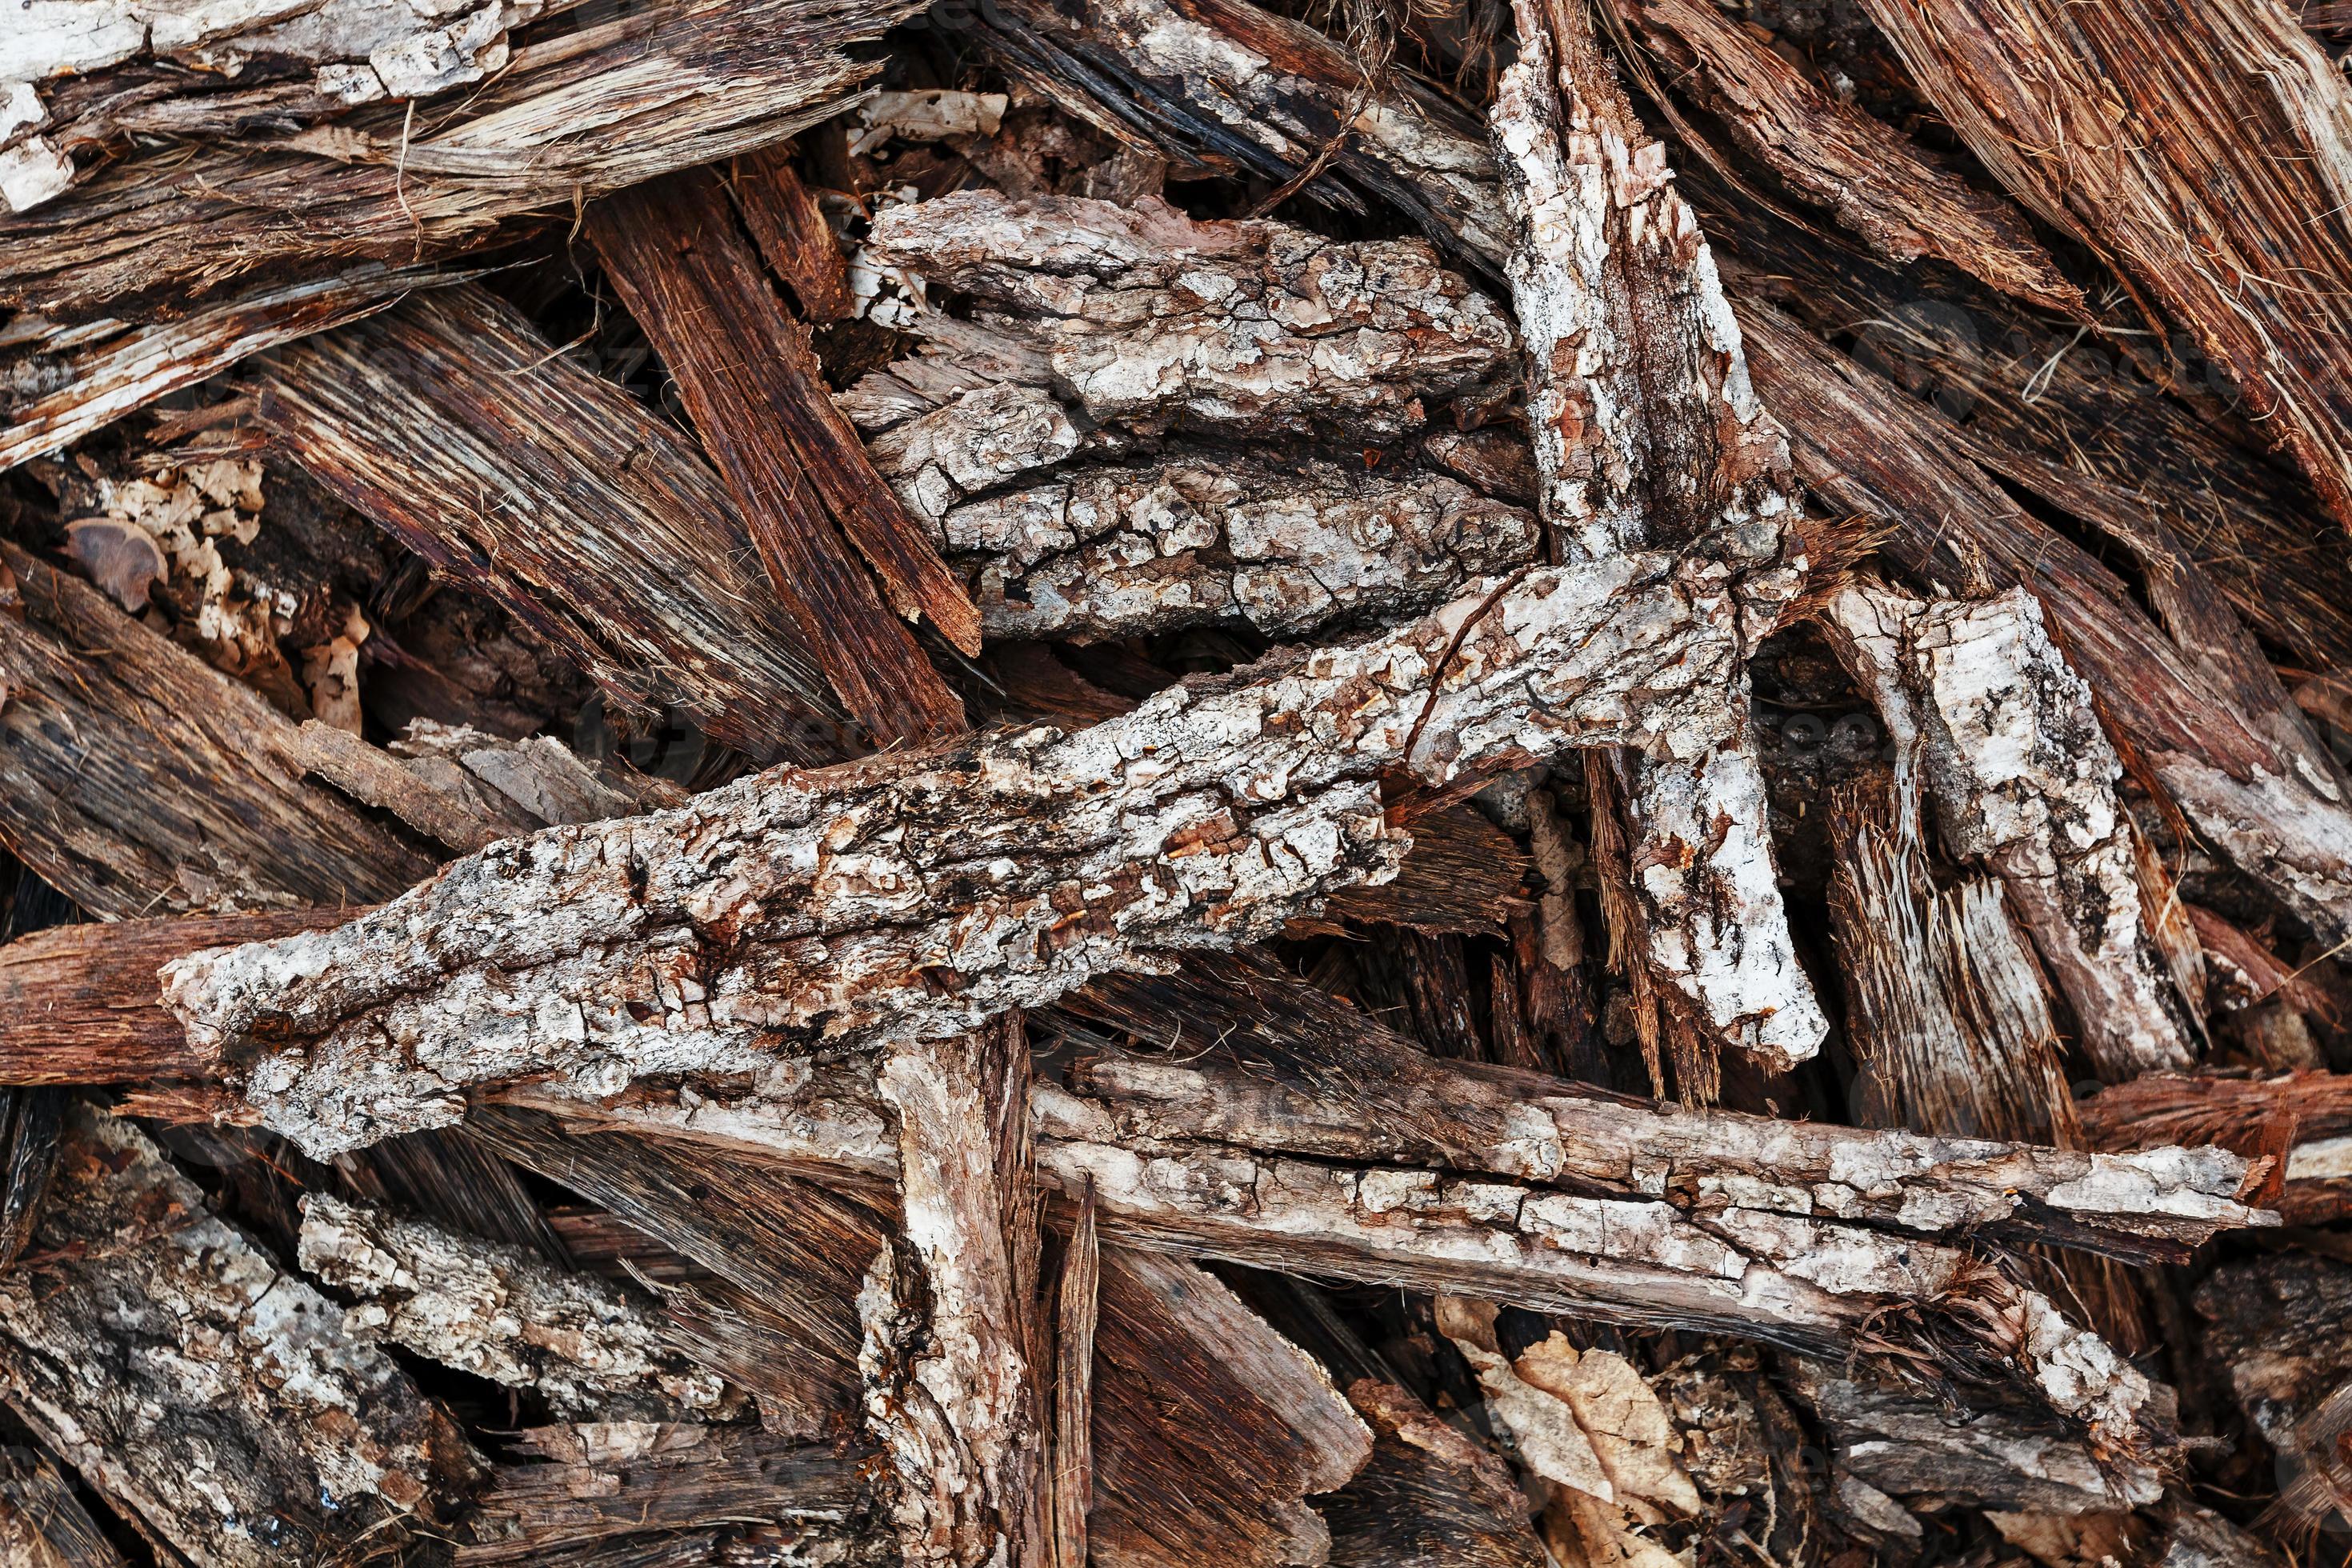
(42, 1524)
(80, 1003)
(214, 1400)
(953, 1394)
(134, 777)
(2264, 796)
(755, 394)
(2232, 218)
(1224, 83)
(514, 471)
(637, 1488)
(91, 375)
(914, 896)
(1648, 435)
(594, 1349)
(2305, 1118)
(685, 82)
(2025, 784)
(1877, 183)
(1070, 1475)
(90, 58)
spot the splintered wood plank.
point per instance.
(2204, 152)
(91, 375)
(214, 1400)
(512, 471)
(790, 460)
(677, 83)
(135, 778)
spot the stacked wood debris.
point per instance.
(1187, 784)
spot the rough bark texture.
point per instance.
(214, 1400)
(2025, 784)
(627, 98)
(593, 1350)
(2206, 154)
(138, 778)
(999, 872)
(516, 473)
(2278, 1325)
(1647, 436)
(1123, 456)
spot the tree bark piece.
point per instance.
(1647, 436)
(953, 1394)
(2277, 1324)
(1035, 443)
(42, 1524)
(134, 777)
(593, 1349)
(213, 1399)
(2207, 211)
(2304, 1119)
(2025, 784)
(93, 375)
(1876, 182)
(757, 397)
(997, 873)
(1070, 1481)
(628, 100)
(515, 473)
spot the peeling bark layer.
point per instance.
(1647, 434)
(2025, 784)
(914, 896)
(214, 1400)
(593, 1350)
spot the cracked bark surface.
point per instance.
(1121, 454)
(1647, 434)
(2024, 781)
(214, 1400)
(913, 896)
(594, 1349)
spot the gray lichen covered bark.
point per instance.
(214, 1400)
(1113, 443)
(914, 896)
(594, 1349)
(1648, 435)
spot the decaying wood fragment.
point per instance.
(2232, 219)
(1648, 435)
(632, 97)
(1224, 83)
(137, 778)
(1876, 182)
(643, 1490)
(593, 1349)
(2023, 781)
(213, 1399)
(994, 873)
(791, 460)
(514, 471)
